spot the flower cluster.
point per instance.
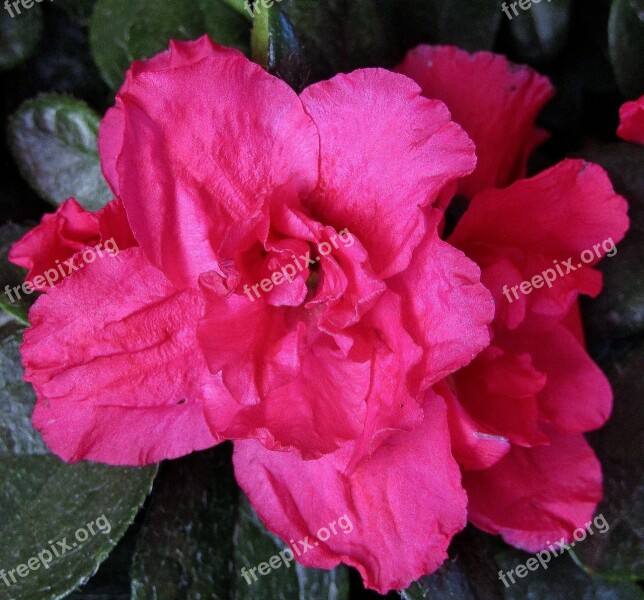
(390, 381)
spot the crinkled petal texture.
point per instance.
(383, 155)
(58, 237)
(494, 100)
(397, 512)
(113, 357)
(535, 385)
(535, 496)
(171, 148)
(269, 292)
(631, 121)
(67, 232)
(540, 222)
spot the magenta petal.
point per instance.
(540, 222)
(474, 446)
(631, 121)
(383, 155)
(166, 151)
(446, 308)
(535, 496)
(495, 101)
(58, 237)
(577, 396)
(404, 504)
(112, 353)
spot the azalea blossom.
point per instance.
(354, 388)
(520, 408)
(631, 121)
(223, 174)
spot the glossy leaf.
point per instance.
(53, 140)
(122, 31)
(626, 45)
(45, 502)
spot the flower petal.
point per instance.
(631, 121)
(384, 152)
(538, 222)
(495, 101)
(446, 308)
(473, 446)
(167, 152)
(58, 237)
(534, 496)
(499, 389)
(577, 396)
(404, 504)
(112, 353)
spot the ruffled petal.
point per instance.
(303, 388)
(58, 237)
(631, 121)
(113, 224)
(404, 504)
(535, 496)
(71, 234)
(577, 396)
(566, 214)
(112, 353)
(500, 390)
(383, 154)
(446, 308)
(494, 100)
(474, 446)
(167, 153)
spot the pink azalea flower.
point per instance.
(495, 101)
(326, 382)
(350, 388)
(518, 411)
(631, 121)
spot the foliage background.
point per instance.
(60, 64)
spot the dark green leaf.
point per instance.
(44, 501)
(275, 46)
(539, 33)
(53, 139)
(311, 40)
(112, 580)
(619, 552)
(243, 7)
(562, 580)
(19, 36)
(469, 574)
(12, 276)
(199, 533)
(186, 542)
(122, 31)
(17, 435)
(472, 26)
(472, 572)
(626, 45)
(255, 545)
(79, 10)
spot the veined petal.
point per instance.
(112, 353)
